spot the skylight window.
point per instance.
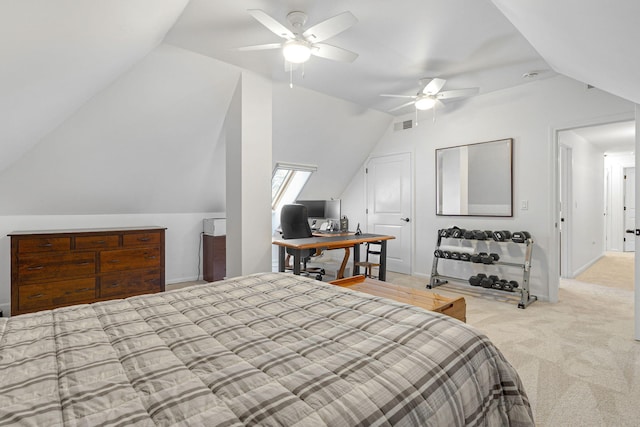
(287, 182)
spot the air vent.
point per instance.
(590, 86)
(407, 124)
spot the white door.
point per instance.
(629, 209)
(565, 162)
(389, 206)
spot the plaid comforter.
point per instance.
(269, 349)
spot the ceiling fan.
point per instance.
(300, 44)
(429, 94)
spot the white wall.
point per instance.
(182, 240)
(587, 205)
(528, 114)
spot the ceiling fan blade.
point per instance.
(330, 27)
(260, 47)
(457, 93)
(271, 23)
(398, 96)
(433, 86)
(327, 51)
(401, 106)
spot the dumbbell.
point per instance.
(475, 280)
(487, 282)
(499, 284)
(520, 236)
(443, 232)
(465, 256)
(446, 254)
(490, 259)
(438, 253)
(510, 286)
(501, 236)
(469, 234)
(458, 233)
(480, 235)
(477, 257)
(455, 255)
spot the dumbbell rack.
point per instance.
(526, 298)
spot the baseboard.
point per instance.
(182, 280)
(586, 266)
(6, 309)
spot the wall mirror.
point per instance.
(475, 179)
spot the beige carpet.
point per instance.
(578, 361)
(614, 269)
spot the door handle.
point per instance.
(630, 231)
(404, 219)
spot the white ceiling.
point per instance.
(469, 43)
(610, 138)
(56, 55)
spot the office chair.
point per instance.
(372, 248)
(294, 222)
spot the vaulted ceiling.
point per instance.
(71, 68)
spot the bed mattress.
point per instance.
(269, 349)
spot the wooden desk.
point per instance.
(339, 241)
(454, 307)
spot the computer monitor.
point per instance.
(332, 209)
(321, 209)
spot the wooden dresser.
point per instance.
(55, 268)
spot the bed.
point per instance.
(269, 349)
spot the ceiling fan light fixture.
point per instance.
(425, 102)
(296, 51)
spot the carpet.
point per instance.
(614, 269)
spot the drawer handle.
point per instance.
(83, 289)
(35, 296)
(37, 267)
(83, 263)
(100, 242)
(150, 257)
(45, 245)
(144, 239)
(114, 261)
(113, 285)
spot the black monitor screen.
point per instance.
(315, 208)
(322, 209)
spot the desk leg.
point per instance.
(344, 263)
(281, 256)
(296, 261)
(356, 259)
(382, 272)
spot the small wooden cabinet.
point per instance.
(215, 258)
(56, 268)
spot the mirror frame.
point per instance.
(437, 180)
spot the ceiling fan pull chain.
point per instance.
(290, 76)
(303, 70)
(416, 117)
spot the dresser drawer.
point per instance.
(141, 239)
(43, 244)
(43, 296)
(33, 268)
(117, 285)
(97, 242)
(129, 259)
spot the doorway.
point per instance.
(596, 204)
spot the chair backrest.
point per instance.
(294, 222)
(373, 248)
